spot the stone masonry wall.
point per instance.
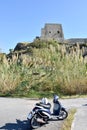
(52, 31)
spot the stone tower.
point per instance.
(52, 32)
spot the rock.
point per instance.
(21, 46)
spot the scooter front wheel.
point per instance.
(34, 123)
(63, 114)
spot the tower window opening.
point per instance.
(58, 31)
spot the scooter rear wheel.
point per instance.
(34, 123)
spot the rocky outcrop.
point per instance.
(21, 46)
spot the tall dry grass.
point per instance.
(49, 69)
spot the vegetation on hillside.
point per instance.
(44, 68)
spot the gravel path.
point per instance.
(14, 111)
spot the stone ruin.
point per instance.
(55, 32)
(52, 31)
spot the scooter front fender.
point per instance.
(63, 109)
(30, 115)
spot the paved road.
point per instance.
(14, 111)
(80, 120)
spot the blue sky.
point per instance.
(22, 20)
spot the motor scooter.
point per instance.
(41, 113)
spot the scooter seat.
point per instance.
(46, 106)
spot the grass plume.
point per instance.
(50, 68)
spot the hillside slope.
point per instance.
(44, 68)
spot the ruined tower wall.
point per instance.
(52, 31)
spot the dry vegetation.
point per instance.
(68, 122)
(50, 69)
